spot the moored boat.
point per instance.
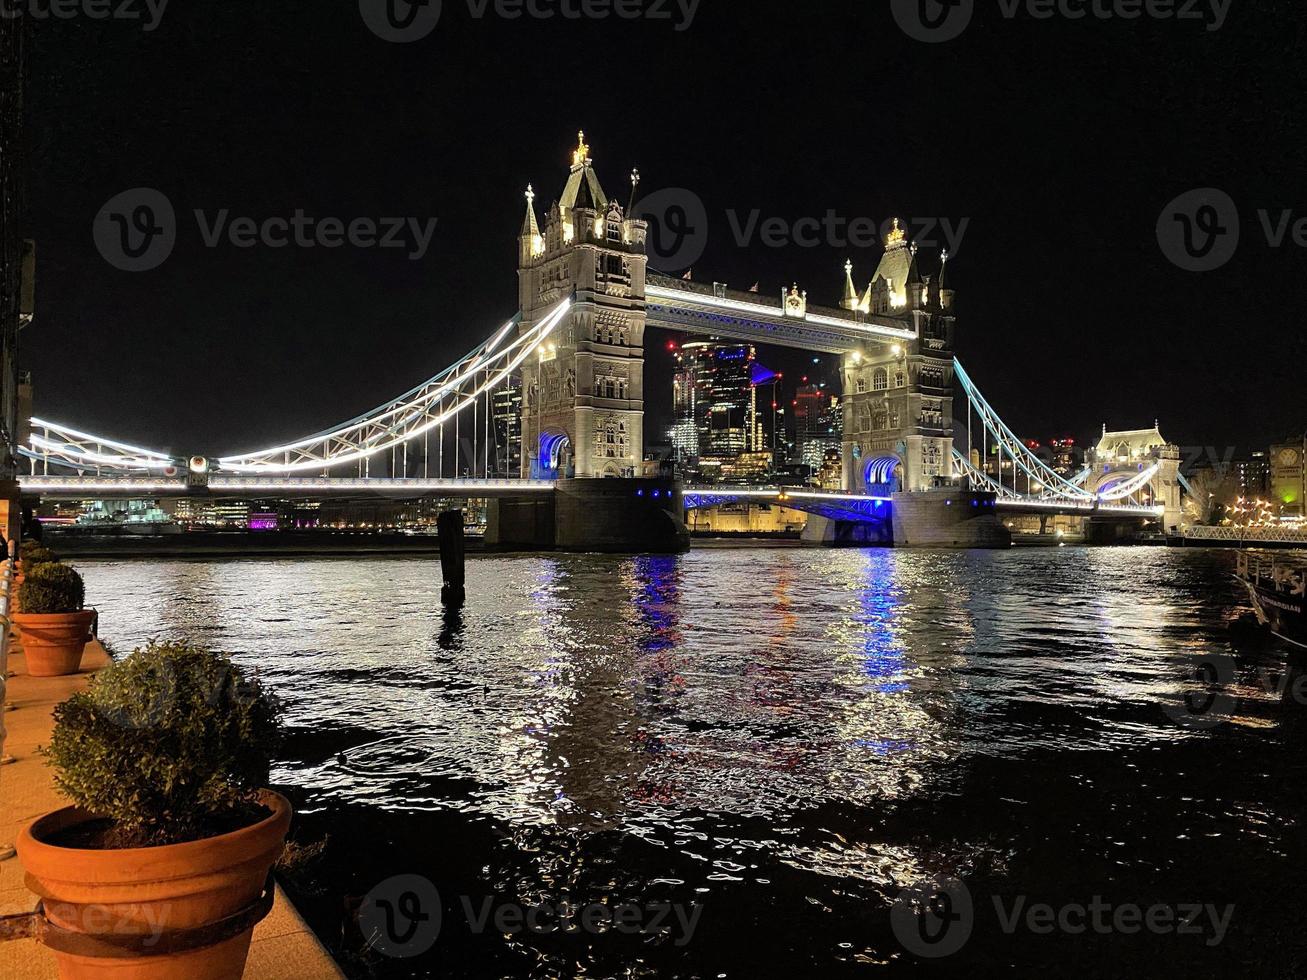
(1277, 589)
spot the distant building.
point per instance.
(507, 408)
(1254, 476)
(818, 426)
(1066, 458)
(1289, 476)
(716, 421)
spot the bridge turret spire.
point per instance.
(945, 291)
(583, 189)
(529, 224)
(531, 241)
(635, 189)
(850, 300)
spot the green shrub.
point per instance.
(52, 588)
(35, 553)
(171, 744)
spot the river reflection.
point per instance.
(753, 729)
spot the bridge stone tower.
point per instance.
(583, 390)
(898, 398)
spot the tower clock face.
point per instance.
(1289, 457)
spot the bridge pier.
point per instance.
(947, 518)
(614, 516)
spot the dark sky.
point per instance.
(1061, 142)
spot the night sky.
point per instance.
(1061, 141)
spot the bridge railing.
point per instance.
(1248, 535)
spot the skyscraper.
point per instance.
(507, 408)
(715, 405)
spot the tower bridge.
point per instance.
(919, 465)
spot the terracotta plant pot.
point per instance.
(148, 897)
(54, 643)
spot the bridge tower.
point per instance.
(898, 398)
(583, 390)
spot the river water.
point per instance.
(754, 752)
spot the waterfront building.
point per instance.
(1289, 476)
(1254, 476)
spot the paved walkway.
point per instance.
(284, 948)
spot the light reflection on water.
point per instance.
(789, 697)
(755, 681)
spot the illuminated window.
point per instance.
(880, 380)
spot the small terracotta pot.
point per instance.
(54, 643)
(151, 892)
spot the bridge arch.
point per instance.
(883, 474)
(554, 456)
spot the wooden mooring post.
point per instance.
(453, 559)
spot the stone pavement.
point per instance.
(284, 948)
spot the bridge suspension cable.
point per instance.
(390, 428)
(1052, 484)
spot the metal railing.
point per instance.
(1248, 535)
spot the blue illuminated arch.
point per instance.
(879, 473)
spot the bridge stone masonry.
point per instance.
(913, 474)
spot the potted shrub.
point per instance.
(161, 868)
(30, 554)
(54, 625)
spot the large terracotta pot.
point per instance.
(54, 643)
(146, 897)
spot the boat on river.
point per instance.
(1277, 589)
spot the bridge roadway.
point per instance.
(715, 310)
(846, 505)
